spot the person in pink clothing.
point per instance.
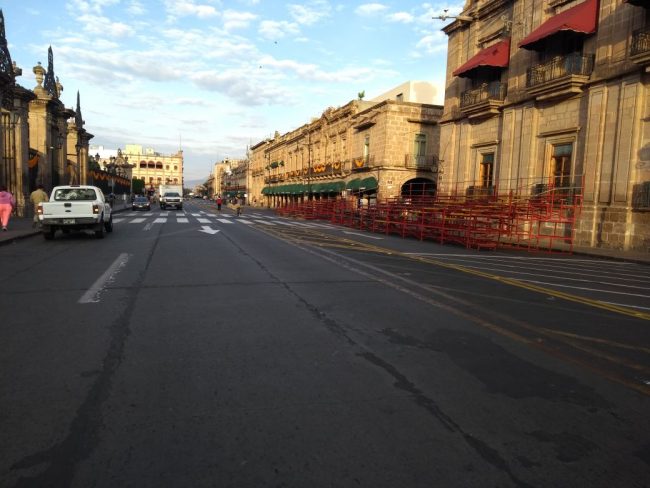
(7, 204)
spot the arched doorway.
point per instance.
(418, 188)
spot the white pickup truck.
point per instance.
(75, 207)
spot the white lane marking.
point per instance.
(148, 226)
(244, 221)
(224, 221)
(182, 220)
(609, 292)
(196, 214)
(226, 215)
(208, 230)
(92, 295)
(148, 214)
(627, 305)
(285, 223)
(139, 220)
(204, 221)
(117, 221)
(265, 222)
(362, 235)
(160, 220)
(164, 214)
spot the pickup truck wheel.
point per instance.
(99, 231)
(48, 234)
(109, 225)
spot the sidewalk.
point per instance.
(21, 227)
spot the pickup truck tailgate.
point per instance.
(67, 209)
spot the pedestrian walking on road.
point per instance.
(7, 205)
(36, 197)
(219, 202)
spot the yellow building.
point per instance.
(364, 149)
(153, 167)
(554, 95)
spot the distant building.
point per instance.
(362, 150)
(153, 167)
(411, 91)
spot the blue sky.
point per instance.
(213, 76)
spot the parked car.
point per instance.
(141, 203)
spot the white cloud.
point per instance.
(433, 43)
(237, 20)
(370, 9)
(272, 29)
(403, 17)
(184, 8)
(310, 13)
(241, 85)
(135, 7)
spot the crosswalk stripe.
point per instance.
(265, 222)
(182, 220)
(244, 221)
(161, 220)
(204, 220)
(139, 220)
(117, 221)
(224, 221)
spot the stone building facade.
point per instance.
(364, 149)
(41, 141)
(154, 168)
(554, 94)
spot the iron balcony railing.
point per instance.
(420, 162)
(487, 91)
(559, 67)
(640, 41)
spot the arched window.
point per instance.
(159, 165)
(151, 164)
(167, 167)
(175, 168)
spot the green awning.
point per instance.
(338, 186)
(369, 183)
(353, 184)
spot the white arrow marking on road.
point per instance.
(362, 235)
(208, 230)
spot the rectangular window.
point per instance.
(561, 165)
(486, 170)
(419, 149)
(366, 148)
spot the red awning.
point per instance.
(581, 18)
(497, 56)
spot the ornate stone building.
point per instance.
(153, 167)
(368, 149)
(545, 95)
(42, 141)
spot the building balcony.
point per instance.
(562, 76)
(362, 163)
(484, 101)
(640, 48)
(420, 162)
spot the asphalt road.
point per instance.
(188, 349)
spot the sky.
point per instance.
(213, 76)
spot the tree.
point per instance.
(361, 94)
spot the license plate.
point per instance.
(68, 221)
